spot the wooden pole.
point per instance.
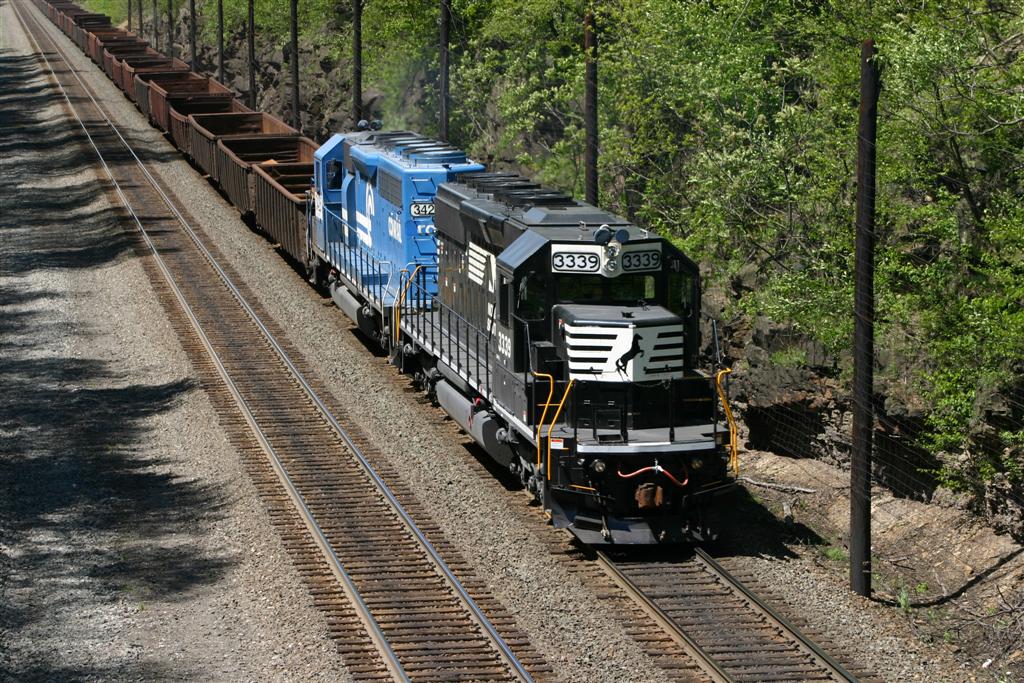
(156, 27)
(170, 28)
(192, 34)
(443, 84)
(296, 116)
(251, 30)
(357, 61)
(138, 6)
(590, 108)
(220, 40)
(130, 15)
(863, 330)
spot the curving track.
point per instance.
(396, 608)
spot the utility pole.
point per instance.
(590, 107)
(252, 55)
(138, 6)
(220, 40)
(357, 61)
(296, 117)
(443, 85)
(130, 15)
(192, 33)
(170, 28)
(863, 330)
(156, 27)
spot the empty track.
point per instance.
(718, 623)
(395, 607)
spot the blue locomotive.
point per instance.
(562, 338)
(372, 217)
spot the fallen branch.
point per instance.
(788, 488)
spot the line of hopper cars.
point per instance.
(562, 338)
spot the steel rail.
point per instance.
(825, 660)
(479, 617)
(700, 656)
(373, 629)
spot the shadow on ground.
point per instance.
(86, 501)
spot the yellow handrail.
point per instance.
(401, 298)
(558, 412)
(734, 455)
(547, 404)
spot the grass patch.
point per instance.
(790, 357)
(834, 553)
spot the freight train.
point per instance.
(564, 339)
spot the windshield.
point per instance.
(625, 290)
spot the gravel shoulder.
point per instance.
(132, 544)
(941, 580)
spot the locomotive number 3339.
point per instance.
(575, 262)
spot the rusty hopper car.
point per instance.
(112, 52)
(183, 107)
(101, 40)
(77, 23)
(147, 69)
(207, 129)
(144, 80)
(119, 62)
(236, 157)
(82, 28)
(280, 204)
(163, 94)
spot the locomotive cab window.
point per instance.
(626, 290)
(580, 289)
(680, 294)
(504, 300)
(632, 289)
(531, 295)
(335, 174)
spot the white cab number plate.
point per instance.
(421, 209)
(575, 262)
(633, 261)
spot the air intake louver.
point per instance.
(515, 190)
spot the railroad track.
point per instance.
(719, 623)
(395, 606)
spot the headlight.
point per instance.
(697, 463)
(610, 266)
(598, 466)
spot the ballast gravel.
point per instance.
(132, 545)
(578, 633)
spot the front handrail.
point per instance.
(734, 456)
(544, 414)
(554, 420)
(401, 299)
